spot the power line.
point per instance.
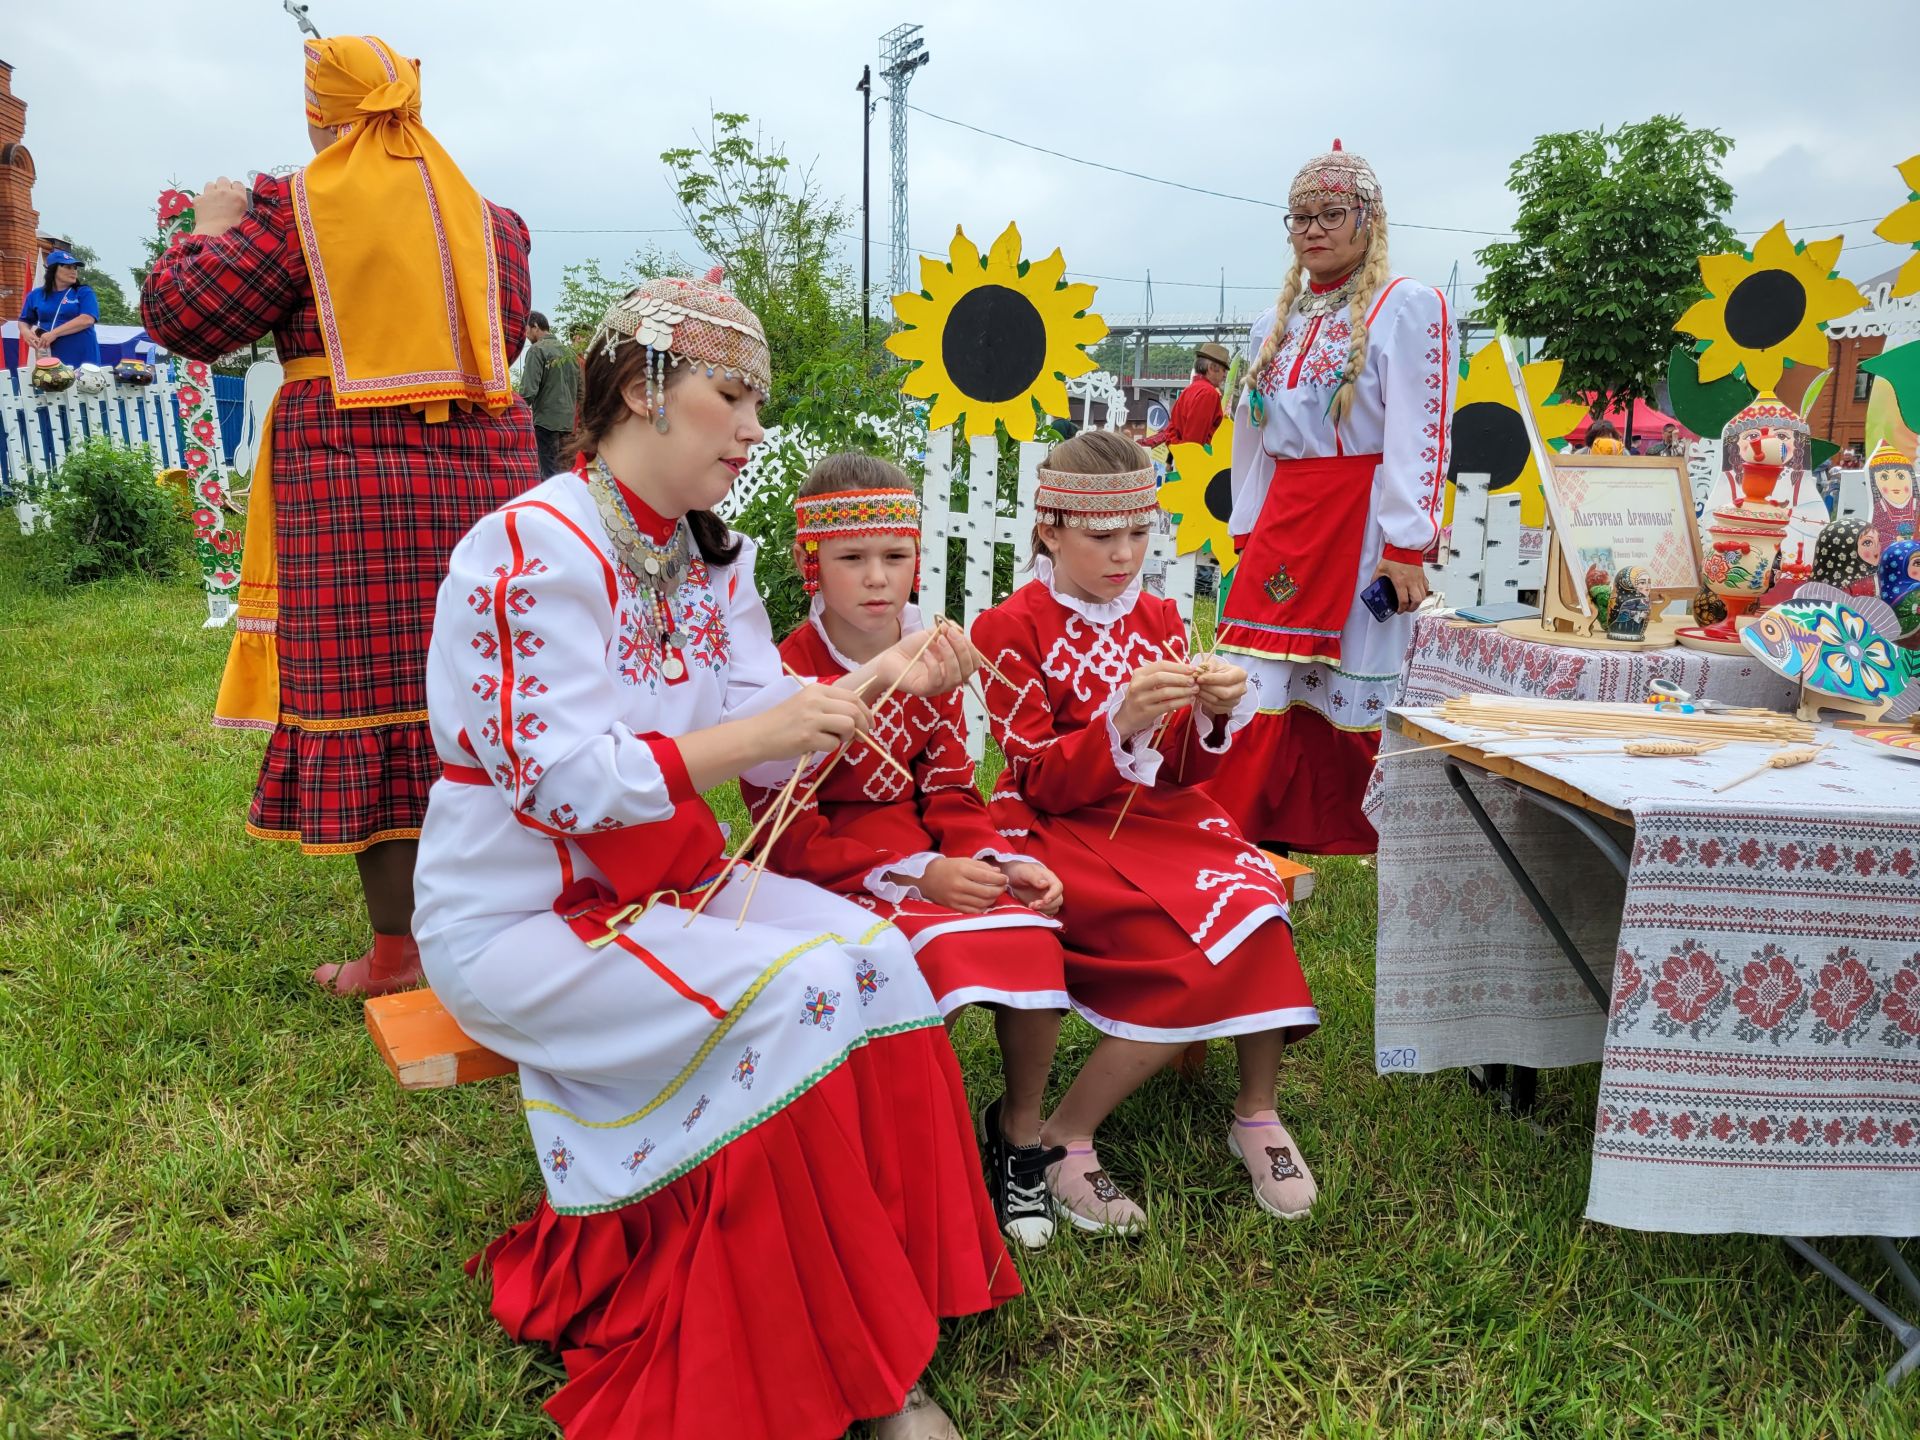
(1177, 184)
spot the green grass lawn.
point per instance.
(220, 1218)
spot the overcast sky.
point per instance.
(560, 110)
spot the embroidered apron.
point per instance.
(1294, 586)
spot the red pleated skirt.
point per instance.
(791, 1285)
(1295, 782)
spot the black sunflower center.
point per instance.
(994, 343)
(1488, 439)
(1220, 495)
(1765, 308)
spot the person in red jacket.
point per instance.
(1196, 414)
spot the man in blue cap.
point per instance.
(60, 314)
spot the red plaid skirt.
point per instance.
(368, 504)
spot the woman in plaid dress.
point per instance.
(395, 295)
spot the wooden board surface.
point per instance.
(1511, 767)
(1661, 634)
(424, 1047)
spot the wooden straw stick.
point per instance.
(985, 664)
(781, 807)
(886, 755)
(1781, 760)
(1127, 804)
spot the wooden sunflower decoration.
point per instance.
(1489, 438)
(1199, 494)
(1902, 227)
(994, 338)
(1767, 306)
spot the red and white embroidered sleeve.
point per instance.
(520, 639)
(1057, 769)
(208, 295)
(1418, 383)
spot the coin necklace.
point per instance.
(660, 568)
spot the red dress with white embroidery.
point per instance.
(867, 831)
(1175, 927)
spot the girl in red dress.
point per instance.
(899, 827)
(1175, 926)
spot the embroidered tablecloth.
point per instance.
(1761, 1061)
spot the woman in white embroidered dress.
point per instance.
(1339, 458)
(762, 1186)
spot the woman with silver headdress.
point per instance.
(762, 1189)
(1339, 459)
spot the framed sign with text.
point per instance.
(1608, 512)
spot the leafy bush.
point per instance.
(107, 517)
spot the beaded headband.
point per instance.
(686, 322)
(1337, 175)
(1096, 502)
(840, 514)
(1884, 455)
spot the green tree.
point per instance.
(766, 221)
(114, 306)
(1605, 256)
(586, 290)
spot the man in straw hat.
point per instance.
(1196, 414)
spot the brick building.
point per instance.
(19, 221)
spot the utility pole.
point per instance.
(865, 87)
(902, 52)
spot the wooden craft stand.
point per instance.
(1562, 621)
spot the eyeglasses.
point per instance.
(1330, 219)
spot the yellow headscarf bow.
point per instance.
(398, 242)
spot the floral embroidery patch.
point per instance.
(639, 1157)
(869, 979)
(558, 1159)
(699, 1109)
(745, 1066)
(1281, 587)
(819, 1008)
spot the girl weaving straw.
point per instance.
(900, 829)
(1176, 927)
(761, 1190)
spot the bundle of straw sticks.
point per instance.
(1574, 719)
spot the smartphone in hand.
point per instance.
(1381, 598)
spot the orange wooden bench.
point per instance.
(427, 1050)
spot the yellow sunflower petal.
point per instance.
(963, 253)
(914, 309)
(1907, 282)
(1051, 392)
(1048, 272)
(1763, 367)
(1017, 415)
(1825, 254)
(926, 381)
(1556, 422)
(945, 409)
(1542, 377)
(934, 274)
(1774, 250)
(1831, 299)
(1005, 254)
(1902, 227)
(1719, 361)
(1909, 170)
(1723, 272)
(1707, 320)
(1075, 298)
(1806, 346)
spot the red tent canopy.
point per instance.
(1647, 423)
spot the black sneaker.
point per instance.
(1017, 1180)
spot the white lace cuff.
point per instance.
(892, 891)
(774, 774)
(1004, 857)
(1133, 756)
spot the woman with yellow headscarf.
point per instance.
(395, 295)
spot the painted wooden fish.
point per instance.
(1838, 644)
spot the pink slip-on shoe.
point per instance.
(1281, 1181)
(1086, 1197)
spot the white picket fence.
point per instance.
(40, 430)
(968, 512)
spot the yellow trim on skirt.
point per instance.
(250, 687)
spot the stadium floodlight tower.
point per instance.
(902, 52)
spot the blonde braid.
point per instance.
(1282, 310)
(1373, 278)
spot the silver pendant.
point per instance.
(676, 641)
(673, 669)
(650, 565)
